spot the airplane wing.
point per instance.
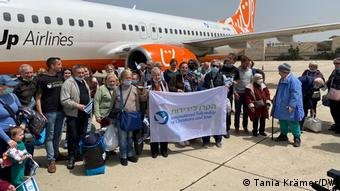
(281, 34)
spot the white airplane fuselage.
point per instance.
(29, 42)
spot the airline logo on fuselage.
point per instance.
(36, 39)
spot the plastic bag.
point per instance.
(313, 124)
(111, 138)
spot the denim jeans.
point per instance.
(241, 103)
(54, 126)
(125, 142)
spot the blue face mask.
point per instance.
(8, 90)
(214, 71)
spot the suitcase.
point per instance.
(92, 149)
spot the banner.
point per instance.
(176, 117)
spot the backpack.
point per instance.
(35, 121)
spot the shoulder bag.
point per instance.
(129, 121)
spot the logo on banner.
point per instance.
(161, 117)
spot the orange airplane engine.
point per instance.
(158, 53)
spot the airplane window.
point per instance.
(90, 24)
(21, 18)
(81, 22)
(35, 19)
(200, 33)
(170, 31)
(123, 26)
(143, 28)
(153, 29)
(47, 20)
(166, 30)
(184, 32)
(192, 33)
(175, 31)
(215, 35)
(136, 28)
(208, 34)
(130, 27)
(160, 30)
(204, 34)
(71, 22)
(60, 21)
(180, 31)
(212, 34)
(7, 16)
(108, 25)
(188, 32)
(196, 33)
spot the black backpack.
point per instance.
(36, 121)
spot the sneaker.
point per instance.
(218, 144)
(51, 168)
(263, 134)
(281, 138)
(297, 142)
(123, 162)
(132, 159)
(255, 134)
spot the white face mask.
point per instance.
(259, 82)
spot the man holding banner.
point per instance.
(176, 117)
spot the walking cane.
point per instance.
(272, 128)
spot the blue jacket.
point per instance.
(5, 118)
(288, 93)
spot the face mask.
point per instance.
(111, 87)
(127, 82)
(259, 82)
(133, 82)
(79, 79)
(8, 90)
(156, 81)
(214, 71)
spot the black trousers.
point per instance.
(155, 147)
(335, 111)
(229, 114)
(76, 129)
(256, 124)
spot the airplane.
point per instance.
(95, 34)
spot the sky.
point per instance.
(270, 14)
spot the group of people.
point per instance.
(72, 97)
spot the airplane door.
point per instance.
(143, 33)
(153, 32)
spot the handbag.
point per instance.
(333, 94)
(259, 103)
(129, 121)
(325, 101)
(313, 124)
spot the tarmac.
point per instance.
(243, 163)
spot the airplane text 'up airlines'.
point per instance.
(95, 34)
